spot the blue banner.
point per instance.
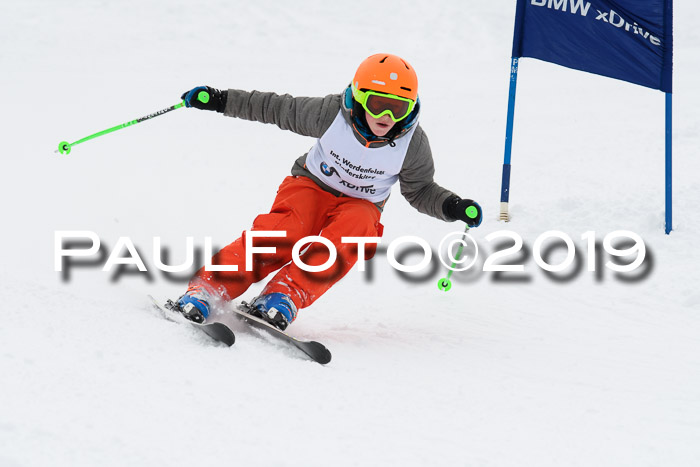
(631, 40)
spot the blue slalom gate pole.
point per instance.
(669, 164)
(505, 179)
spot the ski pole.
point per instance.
(445, 284)
(64, 147)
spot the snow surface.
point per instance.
(593, 370)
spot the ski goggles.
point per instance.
(378, 104)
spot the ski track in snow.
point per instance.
(580, 372)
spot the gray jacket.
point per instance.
(312, 116)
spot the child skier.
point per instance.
(368, 139)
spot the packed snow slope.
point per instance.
(582, 368)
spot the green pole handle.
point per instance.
(203, 97)
(64, 147)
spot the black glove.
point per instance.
(465, 210)
(205, 98)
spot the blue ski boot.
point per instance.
(276, 308)
(194, 305)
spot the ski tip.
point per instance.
(154, 303)
(320, 353)
(220, 332)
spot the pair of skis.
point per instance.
(222, 333)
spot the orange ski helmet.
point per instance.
(389, 74)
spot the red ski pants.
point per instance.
(301, 209)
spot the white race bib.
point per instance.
(342, 163)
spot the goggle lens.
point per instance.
(376, 105)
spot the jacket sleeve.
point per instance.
(307, 116)
(416, 178)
